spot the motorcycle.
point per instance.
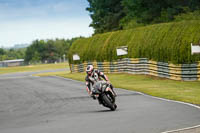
(106, 96)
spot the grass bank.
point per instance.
(33, 68)
(165, 42)
(164, 88)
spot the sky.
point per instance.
(22, 21)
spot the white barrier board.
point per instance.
(76, 57)
(195, 49)
(122, 51)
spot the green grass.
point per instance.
(33, 68)
(165, 42)
(164, 88)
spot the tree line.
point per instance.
(40, 51)
(9, 54)
(111, 15)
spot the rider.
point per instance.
(94, 76)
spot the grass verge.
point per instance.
(175, 90)
(33, 68)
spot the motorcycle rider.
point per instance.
(93, 76)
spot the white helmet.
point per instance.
(89, 69)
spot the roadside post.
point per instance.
(122, 65)
(64, 58)
(75, 67)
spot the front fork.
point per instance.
(111, 90)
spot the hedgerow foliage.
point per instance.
(167, 42)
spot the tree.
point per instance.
(2, 52)
(111, 15)
(105, 14)
(48, 50)
(156, 11)
(36, 58)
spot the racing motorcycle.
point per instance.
(106, 96)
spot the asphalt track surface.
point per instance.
(31, 104)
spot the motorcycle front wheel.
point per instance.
(108, 103)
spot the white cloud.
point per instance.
(24, 21)
(18, 32)
(60, 9)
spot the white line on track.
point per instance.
(189, 104)
(18, 77)
(189, 130)
(69, 79)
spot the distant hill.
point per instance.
(18, 46)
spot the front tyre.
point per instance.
(108, 103)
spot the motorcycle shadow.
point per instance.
(101, 111)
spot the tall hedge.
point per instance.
(167, 42)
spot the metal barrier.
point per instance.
(186, 72)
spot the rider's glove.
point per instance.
(108, 82)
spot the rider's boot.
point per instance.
(99, 100)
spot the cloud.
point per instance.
(22, 21)
(25, 9)
(27, 31)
